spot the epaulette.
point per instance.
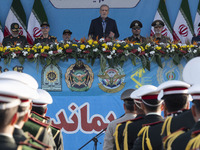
(56, 127)
(37, 37)
(28, 146)
(195, 133)
(53, 36)
(38, 116)
(153, 123)
(38, 122)
(32, 140)
(168, 140)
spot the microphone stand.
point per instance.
(95, 138)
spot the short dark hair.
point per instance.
(6, 116)
(129, 104)
(175, 102)
(197, 104)
(20, 110)
(39, 110)
(152, 102)
(103, 5)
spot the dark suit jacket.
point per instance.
(96, 28)
(7, 143)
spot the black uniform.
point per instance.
(121, 128)
(132, 38)
(183, 120)
(11, 41)
(153, 131)
(45, 41)
(7, 143)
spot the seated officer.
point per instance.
(158, 27)
(45, 38)
(14, 38)
(39, 110)
(136, 29)
(67, 36)
(196, 39)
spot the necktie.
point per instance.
(104, 26)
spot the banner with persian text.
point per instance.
(86, 99)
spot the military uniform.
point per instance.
(12, 41)
(162, 39)
(149, 137)
(56, 131)
(196, 39)
(122, 131)
(136, 25)
(7, 143)
(45, 41)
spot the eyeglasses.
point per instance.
(44, 27)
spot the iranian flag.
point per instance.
(197, 21)
(37, 16)
(183, 27)
(16, 14)
(162, 14)
(1, 33)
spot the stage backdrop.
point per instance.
(85, 100)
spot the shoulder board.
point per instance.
(32, 137)
(53, 37)
(38, 115)
(135, 119)
(38, 37)
(195, 133)
(38, 122)
(28, 146)
(56, 127)
(153, 123)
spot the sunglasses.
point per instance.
(136, 28)
(45, 27)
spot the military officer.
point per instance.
(158, 27)
(123, 139)
(45, 38)
(136, 26)
(67, 36)
(39, 110)
(15, 38)
(109, 139)
(196, 39)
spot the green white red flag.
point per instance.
(16, 14)
(1, 33)
(162, 14)
(197, 21)
(183, 27)
(37, 16)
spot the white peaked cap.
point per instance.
(174, 87)
(191, 71)
(44, 98)
(194, 90)
(21, 77)
(135, 93)
(147, 90)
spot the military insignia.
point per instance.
(79, 77)
(136, 24)
(170, 71)
(16, 26)
(112, 79)
(157, 23)
(18, 68)
(52, 78)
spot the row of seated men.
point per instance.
(144, 128)
(24, 124)
(45, 38)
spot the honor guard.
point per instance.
(39, 109)
(45, 38)
(109, 139)
(158, 27)
(15, 39)
(186, 138)
(136, 26)
(123, 139)
(152, 108)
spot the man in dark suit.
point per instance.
(103, 26)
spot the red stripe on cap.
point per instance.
(8, 96)
(146, 97)
(24, 100)
(39, 104)
(175, 88)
